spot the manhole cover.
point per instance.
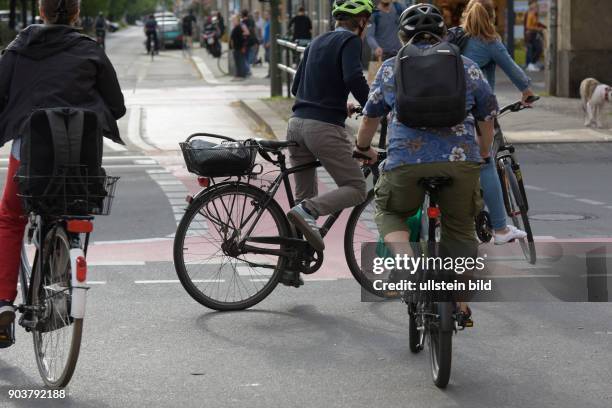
(559, 217)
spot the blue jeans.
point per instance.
(493, 196)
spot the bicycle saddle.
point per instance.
(435, 183)
(276, 144)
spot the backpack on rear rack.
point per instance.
(61, 163)
(430, 85)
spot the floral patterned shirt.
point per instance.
(427, 145)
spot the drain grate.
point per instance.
(560, 217)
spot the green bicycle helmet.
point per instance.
(352, 8)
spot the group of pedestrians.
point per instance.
(249, 34)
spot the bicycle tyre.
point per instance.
(223, 58)
(414, 334)
(55, 237)
(516, 200)
(279, 218)
(441, 345)
(350, 252)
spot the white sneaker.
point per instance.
(532, 68)
(513, 233)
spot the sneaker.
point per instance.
(512, 234)
(7, 324)
(307, 224)
(291, 278)
(532, 68)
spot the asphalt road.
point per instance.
(147, 344)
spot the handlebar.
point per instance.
(519, 105)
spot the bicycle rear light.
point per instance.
(433, 212)
(81, 269)
(79, 226)
(204, 182)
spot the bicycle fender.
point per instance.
(78, 266)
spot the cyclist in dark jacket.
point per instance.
(150, 29)
(46, 66)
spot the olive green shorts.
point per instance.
(399, 196)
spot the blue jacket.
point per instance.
(489, 54)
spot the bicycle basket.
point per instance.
(71, 191)
(219, 160)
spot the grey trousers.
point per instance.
(331, 145)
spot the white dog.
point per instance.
(594, 95)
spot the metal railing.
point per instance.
(291, 51)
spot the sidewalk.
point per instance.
(553, 120)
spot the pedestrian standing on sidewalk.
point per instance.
(248, 27)
(221, 23)
(301, 25)
(259, 28)
(534, 37)
(238, 47)
(382, 33)
(266, 40)
(47, 66)
(483, 46)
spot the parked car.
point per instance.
(170, 33)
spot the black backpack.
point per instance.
(430, 85)
(61, 161)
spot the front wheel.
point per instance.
(208, 258)
(57, 336)
(223, 63)
(441, 344)
(516, 205)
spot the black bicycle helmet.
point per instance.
(422, 18)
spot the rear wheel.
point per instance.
(361, 229)
(57, 336)
(207, 257)
(516, 205)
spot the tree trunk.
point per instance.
(13, 14)
(24, 13)
(34, 11)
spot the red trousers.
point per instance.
(12, 227)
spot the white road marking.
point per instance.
(534, 188)
(169, 182)
(117, 263)
(521, 276)
(163, 171)
(130, 166)
(591, 202)
(145, 161)
(131, 241)
(564, 195)
(543, 237)
(166, 281)
(96, 282)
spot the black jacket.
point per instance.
(52, 66)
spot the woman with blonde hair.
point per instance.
(483, 46)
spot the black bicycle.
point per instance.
(513, 188)
(54, 282)
(234, 240)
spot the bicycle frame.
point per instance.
(36, 231)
